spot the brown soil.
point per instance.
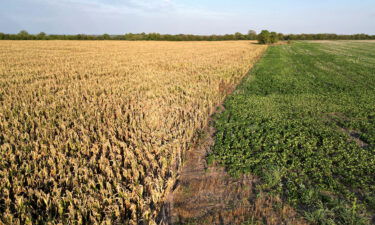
(206, 194)
(353, 135)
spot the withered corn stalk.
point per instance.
(93, 132)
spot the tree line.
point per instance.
(251, 35)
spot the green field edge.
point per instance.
(331, 196)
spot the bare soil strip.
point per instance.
(353, 135)
(207, 194)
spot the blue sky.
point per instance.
(187, 16)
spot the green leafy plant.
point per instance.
(304, 123)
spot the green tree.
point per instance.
(252, 35)
(274, 38)
(264, 37)
(106, 37)
(23, 35)
(280, 36)
(41, 36)
(239, 36)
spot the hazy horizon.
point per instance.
(188, 17)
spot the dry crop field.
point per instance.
(94, 132)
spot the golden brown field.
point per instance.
(94, 132)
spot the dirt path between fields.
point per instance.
(207, 194)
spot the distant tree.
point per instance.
(280, 36)
(80, 37)
(239, 36)
(41, 36)
(252, 35)
(106, 37)
(274, 38)
(23, 35)
(130, 36)
(23, 32)
(142, 36)
(264, 37)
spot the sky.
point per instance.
(187, 16)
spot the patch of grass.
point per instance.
(285, 124)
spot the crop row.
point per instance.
(94, 132)
(304, 122)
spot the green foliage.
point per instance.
(251, 35)
(328, 37)
(106, 37)
(280, 36)
(291, 122)
(41, 36)
(265, 37)
(24, 35)
(239, 36)
(274, 38)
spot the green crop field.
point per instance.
(304, 122)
